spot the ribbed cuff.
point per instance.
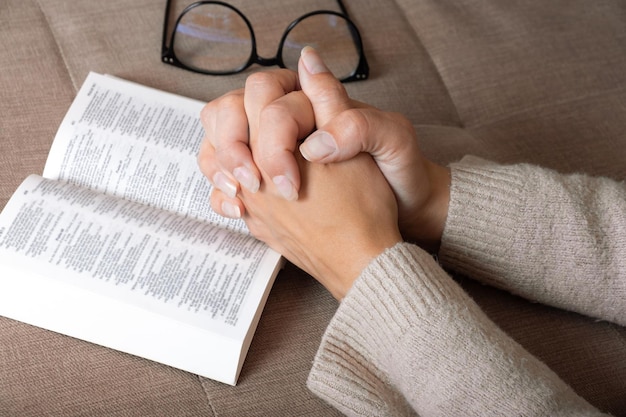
(398, 288)
(486, 203)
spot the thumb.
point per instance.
(388, 137)
(325, 92)
(330, 102)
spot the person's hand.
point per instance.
(267, 113)
(344, 130)
(262, 111)
(345, 216)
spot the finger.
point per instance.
(388, 137)
(275, 155)
(262, 88)
(211, 169)
(282, 124)
(226, 206)
(212, 114)
(226, 131)
(328, 96)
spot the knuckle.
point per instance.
(205, 163)
(270, 79)
(356, 122)
(229, 102)
(259, 80)
(332, 92)
(273, 113)
(208, 160)
(356, 117)
(207, 111)
(207, 116)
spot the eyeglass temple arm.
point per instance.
(165, 19)
(343, 8)
(363, 67)
(344, 11)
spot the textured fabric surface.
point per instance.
(45, 374)
(499, 59)
(532, 81)
(407, 340)
(526, 81)
(572, 268)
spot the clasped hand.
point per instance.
(328, 217)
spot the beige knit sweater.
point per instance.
(407, 340)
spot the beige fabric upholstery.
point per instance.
(523, 80)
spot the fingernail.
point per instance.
(318, 146)
(247, 179)
(285, 187)
(312, 61)
(222, 182)
(231, 210)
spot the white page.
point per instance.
(125, 139)
(66, 309)
(166, 264)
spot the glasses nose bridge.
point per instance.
(267, 62)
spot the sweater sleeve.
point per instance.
(552, 238)
(407, 340)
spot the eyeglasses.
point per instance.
(213, 37)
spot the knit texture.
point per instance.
(556, 239)
(408, 341)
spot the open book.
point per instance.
(116, 244)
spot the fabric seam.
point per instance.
(59, 49)
(459, 121)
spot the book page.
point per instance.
(171, 265)
(135, 142)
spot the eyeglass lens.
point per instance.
(214, 37)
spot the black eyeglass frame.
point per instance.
(361, 72)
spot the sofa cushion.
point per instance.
(532, 81)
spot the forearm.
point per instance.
(408, 337)
(556, 239)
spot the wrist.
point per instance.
(428, 222)
(344, 274)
